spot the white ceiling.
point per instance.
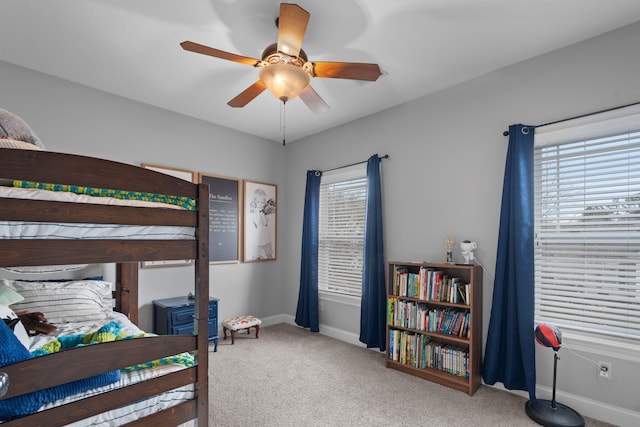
(131, 48)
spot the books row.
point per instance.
(429, 284)
(415, 315)
(419, 351)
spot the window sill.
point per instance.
(603, 346)
(339, 298)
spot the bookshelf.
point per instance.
(434, 322)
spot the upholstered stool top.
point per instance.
(241, 322)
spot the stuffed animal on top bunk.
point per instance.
(16, 133)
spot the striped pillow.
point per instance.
(65, 302)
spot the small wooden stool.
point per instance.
(237, 323)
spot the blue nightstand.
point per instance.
(174, 316)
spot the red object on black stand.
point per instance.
(549, 413)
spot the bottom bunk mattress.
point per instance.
(116, 324)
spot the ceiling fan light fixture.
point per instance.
(284, 81)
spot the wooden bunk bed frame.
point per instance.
(70, 365)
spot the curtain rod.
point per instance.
(386, 156)
(506, 132)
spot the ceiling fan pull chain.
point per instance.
(283, 126)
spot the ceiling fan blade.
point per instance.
(292, 24)
(347, 70)
(247, 95)
(311, 98)
(206, 50)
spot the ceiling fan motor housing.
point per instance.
(272, 49)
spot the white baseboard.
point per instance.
(592, 408)
(274, 320)
(586, 407)
(339, 334)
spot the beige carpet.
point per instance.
(291, 377)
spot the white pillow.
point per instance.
(18, 329)
(65, 302)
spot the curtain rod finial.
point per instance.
(505, 133)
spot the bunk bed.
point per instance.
(57, 369)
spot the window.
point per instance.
(587, 222)
(343, 197)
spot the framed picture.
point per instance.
(178, 173)
(187, 175)
(224, 218)
(259, 221)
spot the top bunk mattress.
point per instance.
(45, 230)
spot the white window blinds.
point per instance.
(587, 220)
(343, 195)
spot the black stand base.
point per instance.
(544, 413)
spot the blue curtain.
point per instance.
(510, 351)
(307, 312)
(373, 305)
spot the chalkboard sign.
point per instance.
(224, 199)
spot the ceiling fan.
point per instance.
(285, 68)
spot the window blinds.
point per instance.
(341, 231)
(587, 220)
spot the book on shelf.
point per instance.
(390, 310)
(408, 348)
(462, 290)
(422, 317)
(420, 352)
(429, 284)
(399, 277)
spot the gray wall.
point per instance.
(75, 119)
(444, 177)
